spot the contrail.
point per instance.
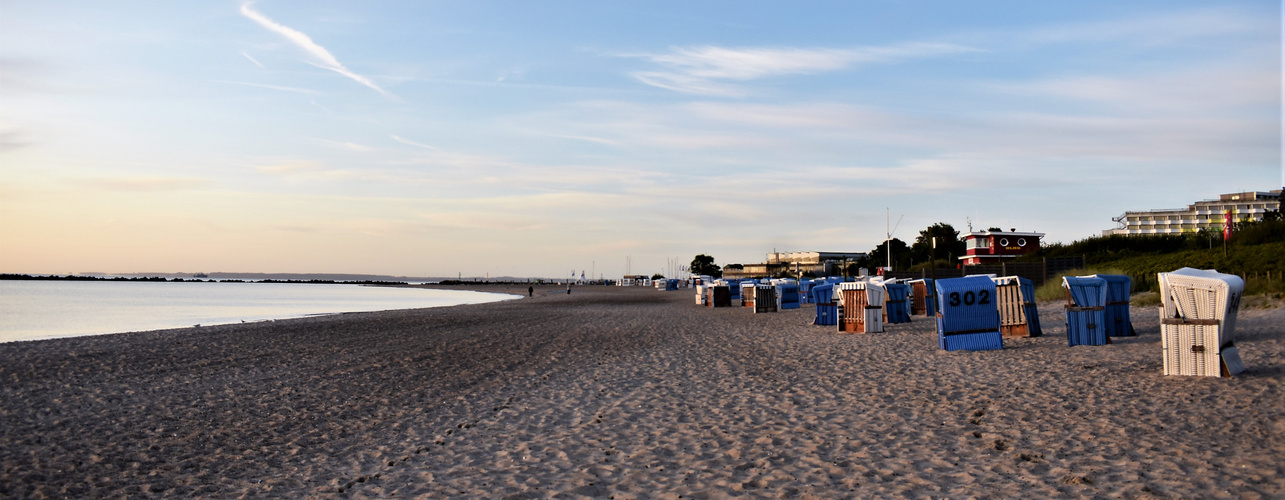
(323, 58)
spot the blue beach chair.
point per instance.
(787, 295)
(898, 303)
(1086, 299)
(827, 312)
(1116, 314)
(967, 317)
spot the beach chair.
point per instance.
(787, 295)
(764, 299)
(671, 285)
(922, 300)
(700, 295)
(719, 296)
(967, 317)
(734, 290)
(747, 294)
(862, 310)
(1198, 322)
(1018, 314)
(897, 306)
(1086, 300)
(827, 312)
(1116, 314)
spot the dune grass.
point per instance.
(1052, 289)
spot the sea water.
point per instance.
(31, 310)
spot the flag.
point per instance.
(1227, 225)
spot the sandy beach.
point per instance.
(631, 393)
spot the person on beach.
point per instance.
(530, 291)
(568, 288)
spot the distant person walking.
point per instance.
(530, 291)
(568, 288)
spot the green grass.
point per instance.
(1052, 289)
(1251, 262)
(1145, 299)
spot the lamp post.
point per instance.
(932, 260)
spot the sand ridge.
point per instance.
(631, 393)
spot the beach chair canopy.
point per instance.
(1201, 294)
(1086, 291)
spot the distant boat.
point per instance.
(200, 275)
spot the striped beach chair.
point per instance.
(764, 299)
(747, 294)
(862, 307)
(897, 304)
(827, 312)
(1198, 322)
(967, 317)
(787, 295)
(1116, 314)
(923, 298)
(734, 290)
(718, 296)
(1018, 314)
(1086, 300)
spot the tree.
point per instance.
(657, 276)
(949, 246)
(704, 265)
(900, 254)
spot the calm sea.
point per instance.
(32, 310)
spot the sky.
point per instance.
(534, 139)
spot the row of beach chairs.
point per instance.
(1198, 311)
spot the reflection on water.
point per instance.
(44, 309)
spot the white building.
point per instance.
(1206, 214)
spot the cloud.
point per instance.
(143, 183)
(412, 143)
(11, 140)
(253, 60)
(1214, 88)
(343, 145)
(273, 87)
(322, 58)
(1164, 29)
(703, 70)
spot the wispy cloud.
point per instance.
(344, 145)
(143, 183)
(10, 140)
(412, 143)
(706, 69)
(253, 60)
(322, 58)
(273, 87)
(1153, 30)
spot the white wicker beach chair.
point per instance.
(1198, 321)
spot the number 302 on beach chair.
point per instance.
(967, 317)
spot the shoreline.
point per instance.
(632, 393)
(55, 310)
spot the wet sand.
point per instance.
(631, 393)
